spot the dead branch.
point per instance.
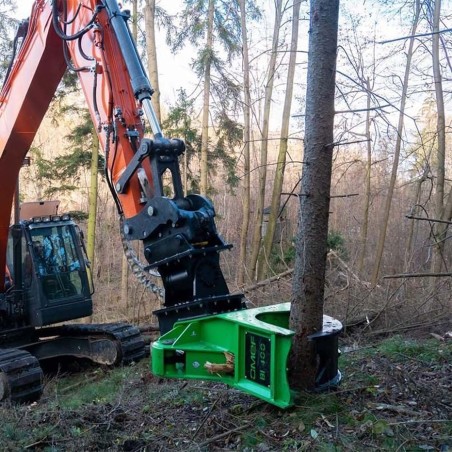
(222, 435)
(224, 368)
(396, 408)
(415, 36)
(359, 110)
(265, 282)
(344, 196)
(420, 421)
(348, 269)
(205, 418)
(433, 220)
(413, 326)
(417, 275)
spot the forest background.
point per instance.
(392, 166)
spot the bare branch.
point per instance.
(343, 143)
(433, 220)
(415, 36)
(417, 275)
(358, 110)
(344, 196)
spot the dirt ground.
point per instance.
(395, 396)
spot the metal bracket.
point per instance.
(163, 154)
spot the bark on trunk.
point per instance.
(205, 107)
(366, 205)
(440, 229)
(306, 315)
(257, 234)
(149, 20)
(92, 215)
(246, 148)
(283, 145)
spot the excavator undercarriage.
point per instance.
(21, 377)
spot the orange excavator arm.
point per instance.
(179, 235)
(24, 100)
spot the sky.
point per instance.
(170, 66)
(23, 8)
(175, 71)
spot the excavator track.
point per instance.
(128, 338)
(21, 376)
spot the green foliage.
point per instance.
(103, 390)
(206, 57)
(62, 174)
(336, 242)
(8, 30)
(227, 93)
(179, 124)
(68, 166)
(215, 60)
(78, 215)
(426, 351)
(8, 431)
(68, 85)
(281, 259)
(230, 135)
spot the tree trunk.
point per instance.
(149, 20)
(283, 145)
(135, 19)
(366, 203)
(440, 229)
(257, 234)
(92, 214)
(395, 164)
(410, 235)
(246, 148)
(306, 315)
(206, 103)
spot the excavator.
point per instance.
(180, 240)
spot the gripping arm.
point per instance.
(179, 233)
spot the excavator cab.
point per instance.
(47, 259)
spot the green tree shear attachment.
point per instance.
(247, 350)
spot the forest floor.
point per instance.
(395, 396)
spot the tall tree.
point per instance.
(264, 131)
(397, 148)
(306, 315)
(283, 146)
(246, 203)
(214, 27)
(440, 212)
(92, 213)
(149, 20)
(207, 57)
(367, 182)
(424, 153)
